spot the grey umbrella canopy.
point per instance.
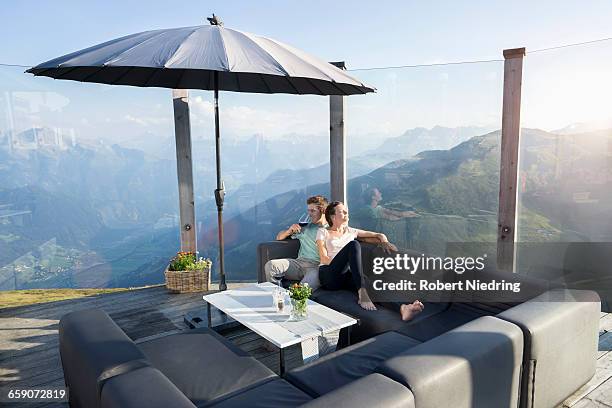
(187, 58)
(209, 57)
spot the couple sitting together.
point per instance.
(330, 254)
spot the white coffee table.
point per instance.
(252, 306)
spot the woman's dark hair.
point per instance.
(331, 210)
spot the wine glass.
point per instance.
(304, 220)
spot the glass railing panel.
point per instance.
(88, 189)
(424, 154)
(564, 196)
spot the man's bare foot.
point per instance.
(364, 300)
(408, 312)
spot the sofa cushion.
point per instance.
(204, 365)
(91, 346)
(371, 322)
(373, 390)
(560, 330)
(145, 387)
(276, 393)
(434, 325)
(351, 363)
(475, 365)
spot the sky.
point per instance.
(560, 87)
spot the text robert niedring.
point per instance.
(438, 285)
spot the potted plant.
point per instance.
(188, 273)
(299, 294)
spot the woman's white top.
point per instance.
(335, 244)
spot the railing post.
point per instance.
(184, 169)
(337, 146)
(508, 171)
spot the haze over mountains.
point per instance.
(82, 215)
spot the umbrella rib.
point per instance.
(178, 82)
(263, 79)
(65, 73)
(311, 82)
(302, 59)
(224, 49)
(153, 72)
(118, 55)
(293, 86)
(256, 44)
(121, 76)
(92, 74)
(340, 89)
(179, 47)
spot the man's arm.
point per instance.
(295, 228)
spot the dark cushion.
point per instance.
(370, 322)
(91, 345)
(276, 393)
(374, 390)
(349, 364)
(146, 387)
(204, 365)
(475, 365)
(439, 323)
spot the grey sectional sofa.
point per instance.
(559, 333)
(533, 354)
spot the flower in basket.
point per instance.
(299, 294)
(188, 273)
(188, 261)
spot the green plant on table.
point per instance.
(189, 261)
(299, 294)
(300, 291)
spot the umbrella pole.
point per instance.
(220, 191)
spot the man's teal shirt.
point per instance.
(308, 246)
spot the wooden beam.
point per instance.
(508, 170)
(184, 169)
(337, 146)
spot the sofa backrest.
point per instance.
(475, 365)
(93, 349)
(561, 330)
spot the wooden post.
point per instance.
(337, 146)
(184, 169)
(508, 170)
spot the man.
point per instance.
(306, 267)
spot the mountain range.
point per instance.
(105, 215)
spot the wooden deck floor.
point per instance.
(29, 355)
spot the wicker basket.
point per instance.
(187, 281)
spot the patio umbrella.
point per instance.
(209, 57)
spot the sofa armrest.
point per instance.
(561, 330)
(92, 348)
(146, 387)
(475, 365)
(373, 390)
(267, 251)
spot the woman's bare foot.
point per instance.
(409, 311)
(364, 300)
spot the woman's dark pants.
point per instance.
(336, 276)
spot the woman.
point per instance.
(338, 249)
